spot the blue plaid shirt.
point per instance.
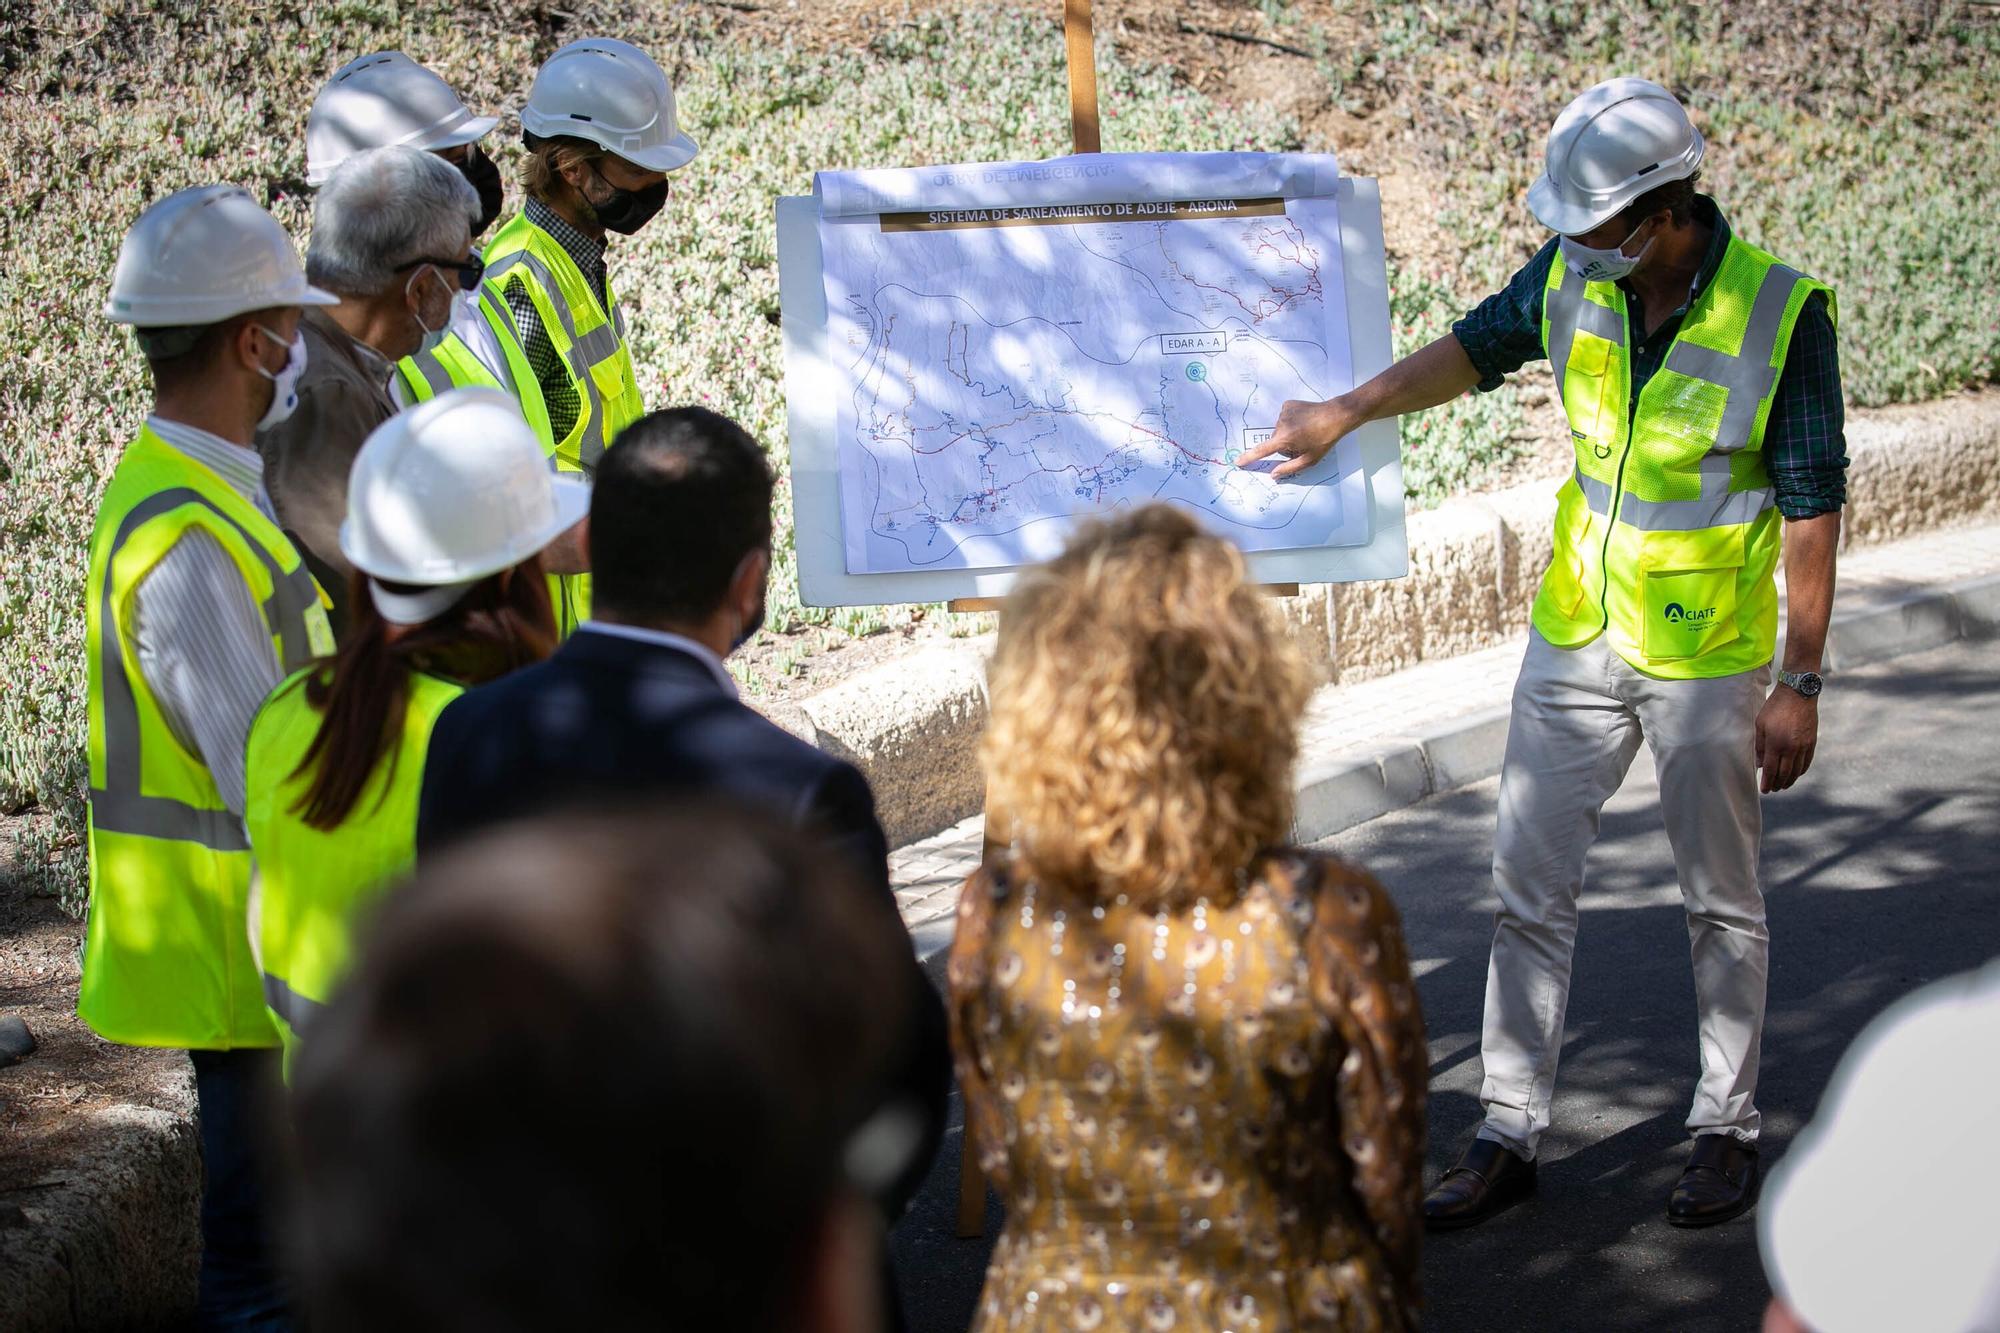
(1805, 442)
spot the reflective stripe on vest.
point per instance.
(167, 958)
(315, 883)
(297, 1011)
(585, 327)
(435, 378)
(584, 353)
(120, 806)
(1748, 377)
(452, 364)
(1666, 534)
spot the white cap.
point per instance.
(611, 93)
(1609, 146)
(381, 101)
(447, 493)
(1879, 1217)
(202, 255)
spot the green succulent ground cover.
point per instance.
(1861, 149)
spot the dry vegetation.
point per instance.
(1854, 138)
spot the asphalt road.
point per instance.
(1882, 872)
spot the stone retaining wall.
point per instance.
(111, 1239)
(913, 724)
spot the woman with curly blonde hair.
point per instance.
(1192, 1057)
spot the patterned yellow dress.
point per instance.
(1209, 1117)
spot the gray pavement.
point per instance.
(1881, 876)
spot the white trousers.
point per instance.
(1578, 717)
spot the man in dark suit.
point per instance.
(637, 704)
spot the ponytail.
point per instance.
(502, 623)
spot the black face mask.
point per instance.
(485, 178)
(628, 210)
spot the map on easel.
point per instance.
(1017, 347)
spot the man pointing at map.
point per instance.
(1701, 382)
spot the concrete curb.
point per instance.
(1967, 610)
(1354, 789)
(1394, 773)
(913, 725)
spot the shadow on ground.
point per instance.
(1880, 876)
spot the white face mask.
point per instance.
(452, 315)
(285, 395)
(1594, 265)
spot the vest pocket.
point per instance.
(609, 377)
(1687, 592)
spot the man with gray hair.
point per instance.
(392, 238)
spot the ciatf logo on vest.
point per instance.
(1680, 615)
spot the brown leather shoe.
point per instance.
(1488, 1179)
(1720, 1182)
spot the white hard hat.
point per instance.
(380, 101)
(1853, 1247)
(447, 493)
(611, 93)
(1609, 146)
(202, 255)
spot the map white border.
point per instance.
(811, 419)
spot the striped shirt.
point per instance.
(1805, 440)
(559, 392)
(203, 647)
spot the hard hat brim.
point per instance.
(572, 506)
(416, 608)
(472, 131)
(178, 312)
(1562, 216)
(319, 170)
(672, 155)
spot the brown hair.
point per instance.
(630, 1052)
(502, 623)
(1145, 713)
(541, 172)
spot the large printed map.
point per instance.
(1007, 371)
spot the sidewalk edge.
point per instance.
(1398, 772)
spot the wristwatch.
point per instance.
(1807, 683)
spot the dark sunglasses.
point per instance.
(470, 270)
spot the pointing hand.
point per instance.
(1306, 433)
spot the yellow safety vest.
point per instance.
(588, 337)
(166, 959)
(1666, 536)
(314, 884)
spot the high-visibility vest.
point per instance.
(313, 883)
(166, 957)
(1666, 534)
(589, 339)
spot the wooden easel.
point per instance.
(1080, 43)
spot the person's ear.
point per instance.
(751, 576)
(248, 344)
(573, 170)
